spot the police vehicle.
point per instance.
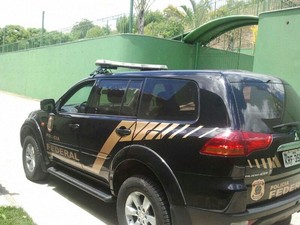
(173, 147)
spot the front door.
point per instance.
(63, 133)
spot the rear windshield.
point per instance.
(263, 106)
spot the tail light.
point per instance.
(236, 143)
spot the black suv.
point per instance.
(174, 147)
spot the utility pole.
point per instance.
(43, 26)
(3, 39)
(131, 16)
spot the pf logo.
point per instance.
(258, 189)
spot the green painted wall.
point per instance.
(210, 58)
(278, 49)
(50, 71)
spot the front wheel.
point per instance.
(32, 160)
(142, 202)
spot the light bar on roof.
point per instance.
(108, 64)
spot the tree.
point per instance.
(79, 30)
(196, 15)
(14, 37)
(122, 24)
(97, 31)
(141, 7)
(151, 17)
(55, 37)
(14, 33)
(167, 24)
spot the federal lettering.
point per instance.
(63, 152)
(282, 189)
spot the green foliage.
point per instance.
(123, 24)
(55, 37)
(166, 25)
(80, 30)
(14, 33)
(167, 29)
(14, 216)
(197, 14)
(97, 31)
(156, 16)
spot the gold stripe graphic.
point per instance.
(142, 133)
(166, 131)
(178, 131)
(266, 163)
(193, 131)
(276, 161)
(203, 135)
(156, 131)
(108, 146)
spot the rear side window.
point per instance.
(116, 97)
(169, 99)
(213, 112)
(261, 106)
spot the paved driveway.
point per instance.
(54, 201)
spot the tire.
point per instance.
(287, 221)
(32, 160)
(142, 202)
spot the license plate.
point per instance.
(291, 158)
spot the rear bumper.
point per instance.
(266, 214)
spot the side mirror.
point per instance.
(48, 105)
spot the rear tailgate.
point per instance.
(270, 107)
(272, 176)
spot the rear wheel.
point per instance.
(142, 202)
(32, 160)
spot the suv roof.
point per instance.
(233, 76)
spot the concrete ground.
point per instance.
(53, 201)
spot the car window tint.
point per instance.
(213, 112)
(76, 100)
(260, 105)
(169, 99)
(129, 107)
(116, 97)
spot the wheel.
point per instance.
(142, 202)
(287, 221)
(32, 160)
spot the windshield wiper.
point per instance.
(291, 124)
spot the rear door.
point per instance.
(271, 108)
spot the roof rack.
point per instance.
(105, 65)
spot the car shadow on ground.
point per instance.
(106, 212)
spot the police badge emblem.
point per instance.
(258, 189)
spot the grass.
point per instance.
(14, 216)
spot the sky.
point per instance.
(60, 14)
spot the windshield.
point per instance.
(264, 106)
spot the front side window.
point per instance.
(169, 99)
(76, 100)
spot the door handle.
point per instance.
(74, 126)
(123, 131)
